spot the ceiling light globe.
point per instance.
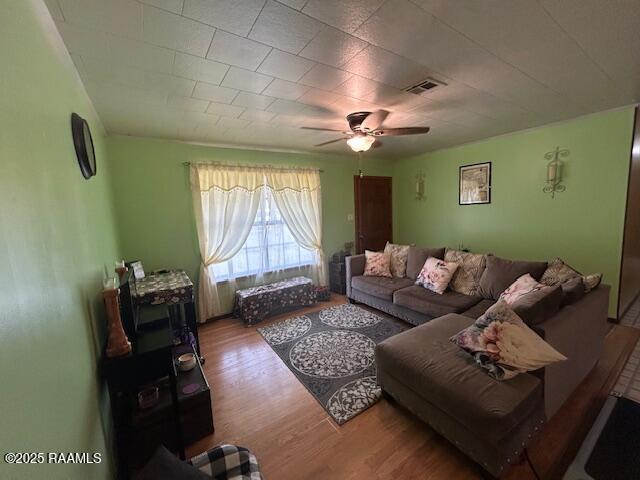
(361, 143)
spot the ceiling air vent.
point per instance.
(424, 87)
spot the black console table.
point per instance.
(158, 316)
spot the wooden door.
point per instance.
(630, 262)
(373, 212)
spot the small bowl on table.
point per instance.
(187, 362)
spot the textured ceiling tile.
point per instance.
(197, 68)
(174, 6)
(187, 103)
(161, 82)
(85, 42)
(325, 77)
(347, 15)
(386, 67)
(285, 65)
(320, 98)
(333, 47)
(357, 87)
(297, 4)
(214, 93)
(123, 17)
(523, 34)
(238, 51)
(225, 110)
(95, 70)
(284, 28)
(253, 101)
(235, 16)
(257, 115)
(608, 32)
(226, 122)
(288, 107)
(284, 89)
(173, 31)
(246, 80)
(141, 55)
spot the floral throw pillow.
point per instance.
(399, 255)
(377, 264)
(436, 274)
(470, 268)
(503, 345)
(523, 285)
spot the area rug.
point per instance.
(332, 354)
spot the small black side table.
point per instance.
(338, 277)
(174, 289)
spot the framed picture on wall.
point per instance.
(475, 184)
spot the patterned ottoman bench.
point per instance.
(255, 304)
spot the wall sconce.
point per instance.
(420, 186)
(554, 171)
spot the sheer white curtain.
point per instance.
(225, 200)
(297, 195)
(257, 225)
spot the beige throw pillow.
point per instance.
(470, 267)
(399, 255)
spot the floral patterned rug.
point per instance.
(332, 353)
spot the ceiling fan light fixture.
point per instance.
(361, 143)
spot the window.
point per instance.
(269, 247)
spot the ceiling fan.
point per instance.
(365, 127)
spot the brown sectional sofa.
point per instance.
(491, 421)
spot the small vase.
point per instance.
(117, 343)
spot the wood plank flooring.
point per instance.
(258, 403)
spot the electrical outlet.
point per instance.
(350, 217)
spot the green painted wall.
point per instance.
(153, 199)
(582, 225)
(57, 233)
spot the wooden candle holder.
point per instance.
(117, 343)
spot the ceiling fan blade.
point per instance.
(331, 141)
(321, 129)
(374, 120)
(388, 132)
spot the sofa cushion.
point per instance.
(501, 272)
(381, 287)
(478, 309)
(539, 305)
(433, 304)
(425, 361)
(417, 256)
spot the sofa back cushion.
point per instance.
(416, 258)
(500, 273)
(539, 305)
(466, 280)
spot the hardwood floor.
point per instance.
(258, 403)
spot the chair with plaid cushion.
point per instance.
(225, 462)
(228, 462)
